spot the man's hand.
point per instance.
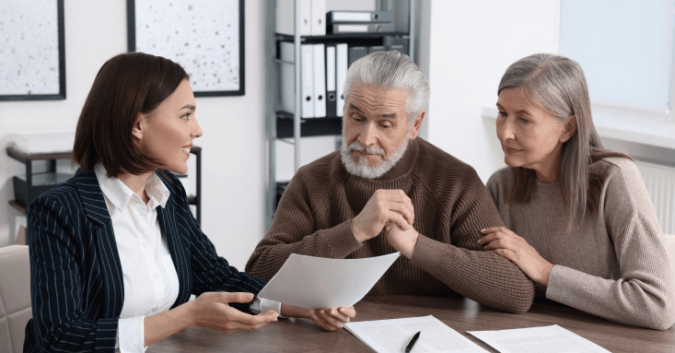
(385, 206)
(332, 319)
(329, 319)
(403, 241)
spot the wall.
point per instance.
(470, 46)
(234, 128)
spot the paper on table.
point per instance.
(394, 335)
(545, 339)
(316, 282)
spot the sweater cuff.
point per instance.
(560, 286)
(341, 240)
(428, 255)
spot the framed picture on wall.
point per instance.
(206, 37)
(32, 50)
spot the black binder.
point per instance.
(331, 80)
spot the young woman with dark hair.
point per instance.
(578, 217)
(115, 251)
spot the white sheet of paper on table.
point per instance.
(316, 282)
(544, 339)
(386, 336)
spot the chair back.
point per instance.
(15, 309)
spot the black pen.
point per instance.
(412, 342)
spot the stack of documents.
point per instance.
(316, 282)
(44, 142)
(392, 336)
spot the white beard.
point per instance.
(362, 169)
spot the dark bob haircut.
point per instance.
(126, 85)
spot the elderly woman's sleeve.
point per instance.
(644, 292)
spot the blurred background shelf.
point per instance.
(30, 185)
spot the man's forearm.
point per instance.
(478, 275)
(272, 252)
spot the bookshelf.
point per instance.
(284, 125)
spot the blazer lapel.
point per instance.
(179, 255)
(107, 253)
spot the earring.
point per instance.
(562, 139)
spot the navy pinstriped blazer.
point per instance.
(77, 288)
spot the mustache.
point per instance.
(356, 146)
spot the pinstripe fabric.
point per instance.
(77, 288)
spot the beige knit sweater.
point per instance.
(451, 207)
(614, 265)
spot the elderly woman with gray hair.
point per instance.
(579, 221)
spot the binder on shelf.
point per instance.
(286, 17)
(287, 76)
(399, 43)
(331, 79)
(356, 53)
(318, 17)
(399, 48)
(319, 73)
(362, 28)
(287, 54)
(341, 75)
(376, 48)
(306, 76)
(335, 17)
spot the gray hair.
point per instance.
(558, 85)
(391, 70)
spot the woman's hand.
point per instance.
(212, 310)
(329, 319)
(506, 243)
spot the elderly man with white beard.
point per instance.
(388, 190)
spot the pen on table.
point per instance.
(412, 342)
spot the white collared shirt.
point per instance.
(150, 278)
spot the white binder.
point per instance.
(319, 81)
(287, 77)
(287, 51)
(341, 70)
(286, 17)
(307, 52)
(318, 17)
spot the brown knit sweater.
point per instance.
(614, 264)
(451, 207)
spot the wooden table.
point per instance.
(300, 335)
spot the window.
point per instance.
(625, 48)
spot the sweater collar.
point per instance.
(402, 168)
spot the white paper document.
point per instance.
(393, 336)
(316, 282)
(545, 339)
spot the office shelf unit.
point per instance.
(285, 125)
(33, 184)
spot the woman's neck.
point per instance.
(547, 171)
(136, 183)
